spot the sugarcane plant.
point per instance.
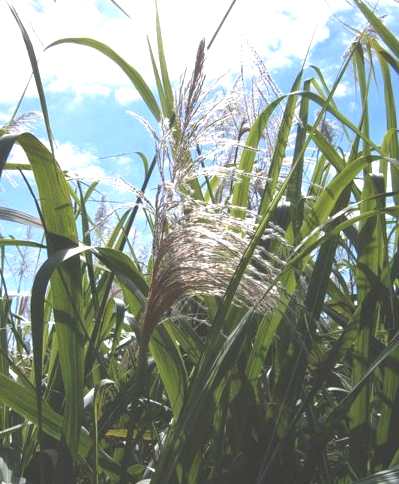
(259, 341)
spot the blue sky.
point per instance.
(89, 98)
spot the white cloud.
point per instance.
(280, 31)
(77, 162)
(125, 95)
(65, 68)
(343, 89)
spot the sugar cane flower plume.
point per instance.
(227, 109)
(198, 244)
(21, 123)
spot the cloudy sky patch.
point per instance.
(280, 31)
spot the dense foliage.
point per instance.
(259, 341)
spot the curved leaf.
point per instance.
(134, 76)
